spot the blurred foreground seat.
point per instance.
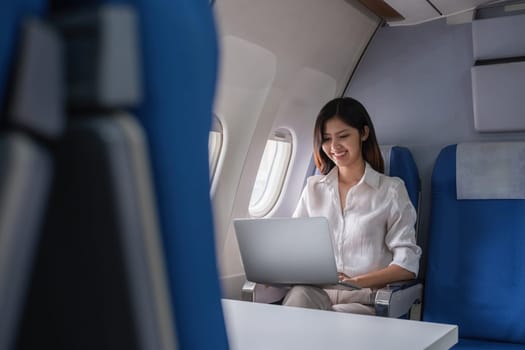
(99, 280)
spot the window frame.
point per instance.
(215, 146)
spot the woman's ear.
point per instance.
(366, 132)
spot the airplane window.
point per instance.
(214, 145)
(271, 174)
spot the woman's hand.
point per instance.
(343, 276)
(379, 278)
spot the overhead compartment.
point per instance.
(498, 76)
(498, 93)
(500, 37)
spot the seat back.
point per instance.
(400, 163)
(179, 87)
(476, 258)
(99, 280)
(33, 120)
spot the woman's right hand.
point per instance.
(343, 276)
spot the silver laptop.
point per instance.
(287, 251)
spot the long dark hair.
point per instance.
(354, 114)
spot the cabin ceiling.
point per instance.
(324, 35)
(408, 12)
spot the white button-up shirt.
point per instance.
(376, 228)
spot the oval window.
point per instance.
(271, 174)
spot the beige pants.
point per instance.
(351, 301)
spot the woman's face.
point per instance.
(342, 143)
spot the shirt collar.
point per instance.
(370, 177)
(330, 177)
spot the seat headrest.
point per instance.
(490, 170)
(103, 61)
(37, 98)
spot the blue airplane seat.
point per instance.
(179, 68)
(476, 261)
(400, 163)
(99, 280)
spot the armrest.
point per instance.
(396, 299)
(248, 291)
(260, 293)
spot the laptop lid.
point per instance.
(279, 251)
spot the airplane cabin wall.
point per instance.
(416, 84)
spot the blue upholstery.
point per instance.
(180, 68)
(468, 344)
(180, 51)
(402, 165)
(476, 262)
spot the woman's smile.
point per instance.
(339, 154)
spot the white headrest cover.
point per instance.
(490, 170)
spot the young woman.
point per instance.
(370, 214)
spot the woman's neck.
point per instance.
(350, 175)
